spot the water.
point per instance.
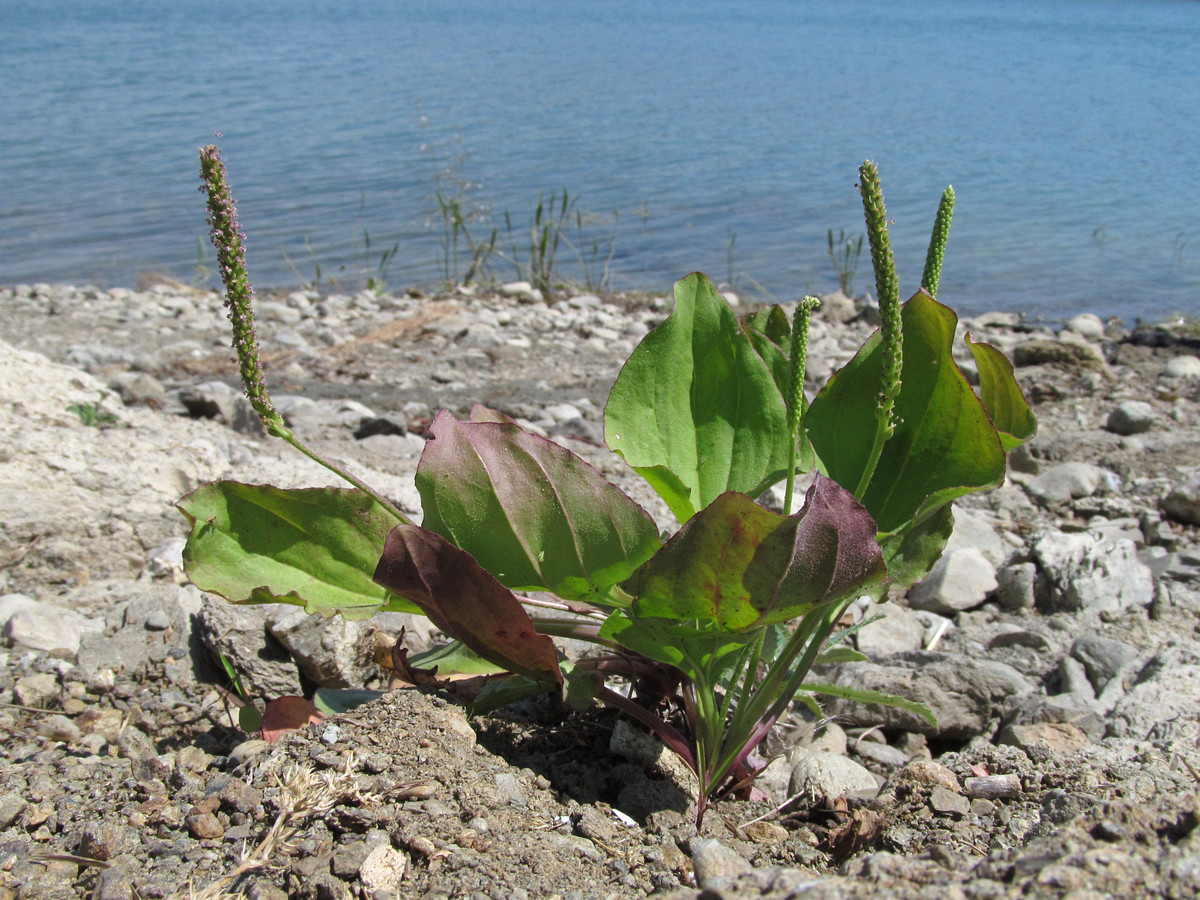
(1069, 129)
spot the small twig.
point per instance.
(778, 809)
(933, 641)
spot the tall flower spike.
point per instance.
(798, 358)
(239, 295)
(937, 243)
(887, 288)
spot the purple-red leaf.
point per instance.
(465, 601)
(746, 567)
(531, 512)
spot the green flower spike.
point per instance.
(239, 295)
(937, 243)
(239, 300)
(887, 289)
(798, 357)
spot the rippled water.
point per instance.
(1069, 129)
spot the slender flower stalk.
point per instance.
(887, 288)
(798, 357)
(937, 243)
(239, 300)
(230, 243)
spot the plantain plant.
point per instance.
(718, 625)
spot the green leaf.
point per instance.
(531, 512)
(745, 567)
(697, 401)
(692, 646)
(944, 445)
(838, 655)
(503, 691)
(465, 601)
(333, 701)
(911, 552)
(878, 697)
(454, 658)
(1001, 395)
(315, 547)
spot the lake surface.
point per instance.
(724, 136)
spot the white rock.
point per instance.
(1068, 481)
(382, 870)
(1088, 572)
(961, 579)
(49, 628)
(1182, 367)
(1088, 325)
(522, 291)
(563, 412)
(827, 776)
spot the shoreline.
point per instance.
(155, 282)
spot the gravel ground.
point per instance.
(1056, 642)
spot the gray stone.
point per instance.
(331, 652)
(1102, 658)
(899, 630)
(824, 777)
(716, 864)
(1066, 353)
(973, 529)
(1183, 502)
(1069, 481)
(59, 728)
(1086, 572)
(944, 801)
(36, 690)
(1131, 417)
(1073, 709)
(217, 400)
(1164, 703)
(967, 695)
(239, 633)
(1018, 586)
(961, 579)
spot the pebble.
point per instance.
(1131, 417)
(961, 579)
(992, 787)
(1182, 367)
(383, 869)
(1068, 481)
(824, 777)
(714, 863)
(59, 728)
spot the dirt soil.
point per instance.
(126, 775)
